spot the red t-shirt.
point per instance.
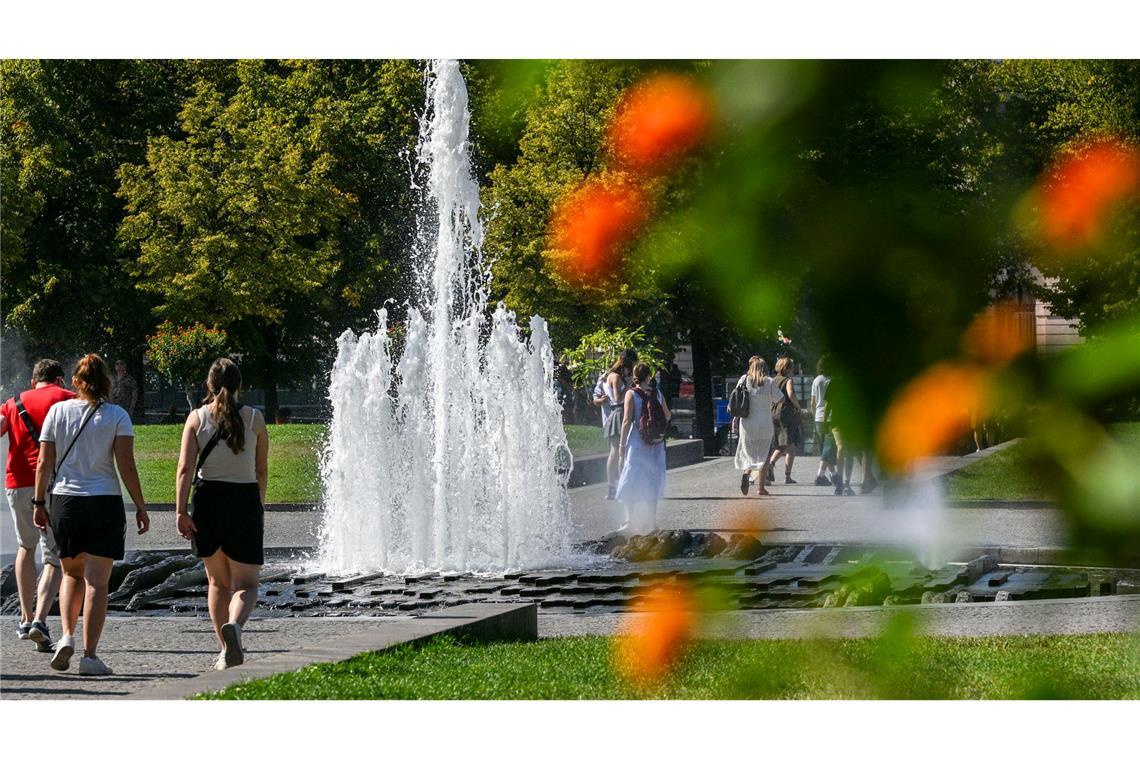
(22, 451)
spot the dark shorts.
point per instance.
(228, 516)
(825, 442)
(95, 525)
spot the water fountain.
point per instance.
(452, 454)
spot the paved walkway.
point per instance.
(707, 496)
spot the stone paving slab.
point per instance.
(172, 658)
(1108, 614)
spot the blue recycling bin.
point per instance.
(722, 415)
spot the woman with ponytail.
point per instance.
(225, 455)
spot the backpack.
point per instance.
(738, 400)
(783, 413)
(652, 424)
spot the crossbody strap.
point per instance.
(29, 423)
(207, 449)
(86, 419)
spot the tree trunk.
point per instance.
(271, 347)
(703, 392)
(190, 400)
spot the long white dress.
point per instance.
(642, 480)
(756, 429)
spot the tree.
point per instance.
(65, 127)
(561, 145)
(183, 355)
(240, 220)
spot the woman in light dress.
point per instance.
(756, 429)
(642, 481)
(609, 394)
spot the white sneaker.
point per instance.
(64, 648)
(93, 666)
(220, 662)
(231, 645)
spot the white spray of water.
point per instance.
(454, 455)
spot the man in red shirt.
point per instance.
(21, 418)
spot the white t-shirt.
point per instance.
(819, 390)
(89, 469)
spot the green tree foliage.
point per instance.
(561, 145)
(65, 128)
(597, 352)
(253, 217)
(183, 354)
(1049, 109)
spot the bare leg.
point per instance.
(245, 587)
(612, 462)
(97, 573)
(221, 591)
(762, 481)
(26, 581)
(71, 593)
(49, 586)
(791, 459)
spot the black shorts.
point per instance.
(95, 525)
(228, 516)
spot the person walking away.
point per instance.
(675, 379)
(822, 432)
(642, 482)
(756, 429)
(81, 443)
(786, 418)
(225, 456)
(124, 389)
(609, 394)
(21, 419)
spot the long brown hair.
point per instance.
(223, 382)
(91, 379)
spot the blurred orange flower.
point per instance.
(649, 645)
(931, 412)
(658, 120)
(591, 225)
(1080, 190)
(997, 336)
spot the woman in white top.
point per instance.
(756, 429)
(81, 442)
(225, 454)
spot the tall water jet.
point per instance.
(451, 455)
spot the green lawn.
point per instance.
(1102, 666)
(292, 461)
(293, 451)
(1006, 475)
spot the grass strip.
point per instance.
(1099, 666)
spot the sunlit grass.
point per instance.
(1102, 666)
(293, 458)
(1007, 475)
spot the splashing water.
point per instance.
(452, 456)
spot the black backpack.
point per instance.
(652, 425)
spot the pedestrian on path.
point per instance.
(609, 394)
(21, 419)
(756, 429)
(225, 518)
(642, 482)
(786, 418)
(82, 442)
(825, 441)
